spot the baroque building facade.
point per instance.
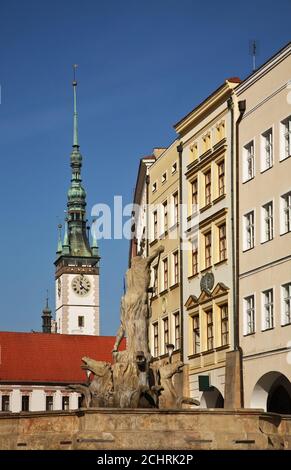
(207, 184)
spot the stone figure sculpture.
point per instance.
(133, 380)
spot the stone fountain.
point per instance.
(133, 380)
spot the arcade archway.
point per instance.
(272, 392)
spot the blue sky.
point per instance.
(142, 66)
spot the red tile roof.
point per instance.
(49, 358)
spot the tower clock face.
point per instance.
(81, 285)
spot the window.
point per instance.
(174, 168)
(285, 138)
(196, 334)
(65, 403)
(224, 324)
(165, 215)
(155, 284)
(249, 161)
(155, 217)
(221, 178)
(207, 177)
(176, 267)
(164, 177)
(154, 187)
(166, 333)
(177, 330)
(194, 258)
(249, 238)
(249, 307)
(194, 151)
(25, 403)
(156, 339)
(267, 222)
(267, 150)
(210, 337)
(220, 131)
(286, 213)
(176, 208)
(222, 242)
(268, 309)
(165, 272)
(207, 238)
(5, 406)
(81, 322)
(194, 194)
(206, 142)
(49, 403)
(80, 401)
(286, 304)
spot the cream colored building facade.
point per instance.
(206, 134)
(165, 321)
(265, 234)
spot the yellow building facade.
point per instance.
(207, 255)
(165, 321)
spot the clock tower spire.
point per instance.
(77, 263)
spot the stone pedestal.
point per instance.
(112, 429)
(233, 396)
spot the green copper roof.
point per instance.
(76, 241)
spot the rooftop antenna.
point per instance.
(253, 50)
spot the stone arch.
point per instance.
(272, 392)
(212, 399)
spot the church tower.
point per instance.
(77, 263)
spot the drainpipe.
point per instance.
(180, 151)
(147, 213)
(235, 228)
(235, 213)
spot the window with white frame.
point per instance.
(177, 330)
(166, 333)
(249, 230)
(175, 267)
(207, 184)
(222, 242)
(155, 225)
(5, 405)
(248, 161)
(268, 309)
(267, 222)
(208, 249)
(221, 178)
(210, 329)
(65, 402)
(285, 138)
(165, 273)
(196, 334)
(49, 403)
(194, 151)
(249, 314)
(164, 177)
(286, 303)
(267, 150)
(176, 208)
(156, 338)
(174, 167)
(154, 187)
(285, 213)
(165, 216)
(155, 280)
(194, 256)
(224, 324)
